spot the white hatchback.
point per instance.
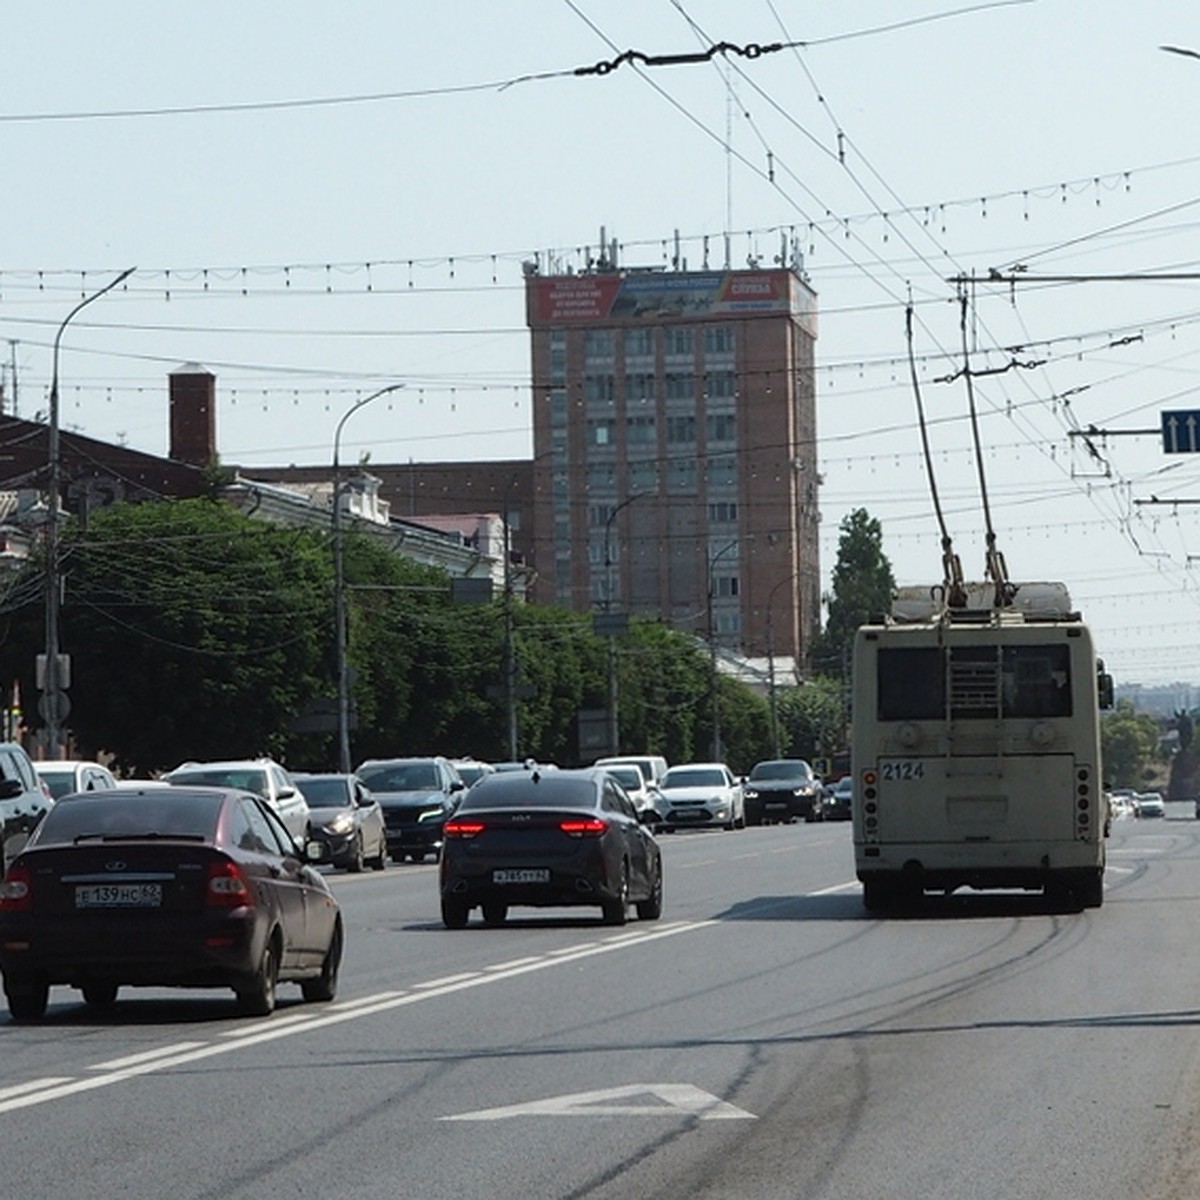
(702, 794)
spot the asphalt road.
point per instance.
(766, 1038)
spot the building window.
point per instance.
(721, 384)
(728, 624)
(678, 339)
(639, 343)
(598, 389)
(726, 586)
(643, 475)
(639, 386)
(598, 345)
(721, 427)
(718, 339)
(558, 354)
(601, 431)
(722, 470)
(681, 430)
(640, 431)
(599, 515)
(558, 407)
(680, 386)
(681, 475)
(601, 476)
(723, 512)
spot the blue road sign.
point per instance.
(1181, 431)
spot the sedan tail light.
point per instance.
(584, 827)
(228, 886)
(462, 828)
(15, 893)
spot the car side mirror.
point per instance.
(10, 788)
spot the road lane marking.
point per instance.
(42, 1091)
(672, 1099)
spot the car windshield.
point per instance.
(248, 779)
(511, 790)
(630, 778)
(400, 777)
(321, 792)
(693, 777)
(470, 775)
(59, 782)
(782, 770)
(113, 816)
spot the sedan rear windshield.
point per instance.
(106, 815)
(401, 777)
(249, 781)
(553, 790)
(324, 793)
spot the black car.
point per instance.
(346, 818)
(417, 795)
(545, 839)
(782, 789)
(165, 887)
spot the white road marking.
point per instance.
(672, 1099)
(41, 1091)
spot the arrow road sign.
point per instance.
(633, 1100)
(1181, 431)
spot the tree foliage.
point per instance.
(862, 588)
(812, 719)
(1129, 746)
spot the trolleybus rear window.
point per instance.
(980, 682)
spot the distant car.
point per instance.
(1149, 804)
(263, 776)
(24, 800)
(74, 775)
(471, 770)
(545, 839)
(646, 797)
(782, 789)
(652, 766)
(165, 887)
(417, 795)
(346, 818)
(836, 804)
(702, 794)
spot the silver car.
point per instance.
(261, 775)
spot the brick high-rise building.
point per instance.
(675, 470)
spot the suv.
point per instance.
(23, 801)
(782, 789)
(417, 795)
(261, 775)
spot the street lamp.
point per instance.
(54, 701)
(339, 586)
(712, 650)
(614, 733)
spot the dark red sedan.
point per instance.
(175, 887)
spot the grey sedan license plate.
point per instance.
(522, 875)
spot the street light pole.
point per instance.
(712, 651)
(342, 666)
(614, 728)
(54, 700)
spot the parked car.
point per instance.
(1149, 804)
(74, 775)
(646, 797)
(548, 838)
(702, 793)
(24, 800)
(263, 776)
(346, 818)
(157, 887)
(782, 789)
(836, 803)
(417, 795)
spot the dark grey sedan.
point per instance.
(545, 839)
(345, 817)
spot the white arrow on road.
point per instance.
(671, 1099)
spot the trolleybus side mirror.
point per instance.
(1104, 685)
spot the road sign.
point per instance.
(1181, 431)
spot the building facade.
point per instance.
(675, 471)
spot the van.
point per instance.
(652, 766)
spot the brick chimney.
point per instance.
(193, 415)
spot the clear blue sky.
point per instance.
(323, 199)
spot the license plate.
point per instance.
(119, 895)
(524, 875)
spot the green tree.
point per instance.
(862, 588)
(812, 719)
(1129, 745)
